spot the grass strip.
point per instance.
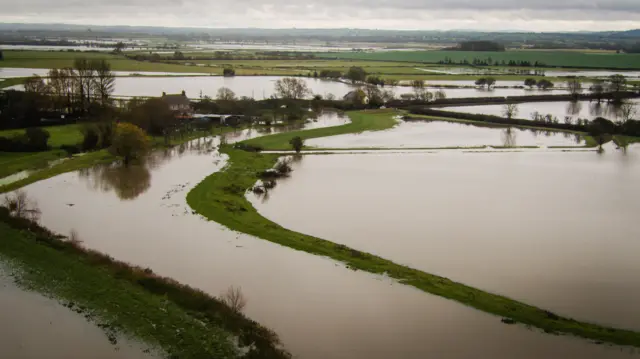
(184, 322)
(368, 120)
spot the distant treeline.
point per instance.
(490, 62)
(220, 55)
(596, 127)
(478, 46)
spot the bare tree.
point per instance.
(597, 89)
(104, 81)
(234, 298)
(225, 94)
(628, 111)
(21, 206)
(292, 88)
(510, 110)
(440, 95)
(84, 78)
(575, 87)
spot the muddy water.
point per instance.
(581, 109)
(413, 134)
(319, 308)
(551, 229)
(35, 327)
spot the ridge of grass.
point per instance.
(368, 120)
(184, 322)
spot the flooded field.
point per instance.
(262, 87)
(548, 228)
(35, 327)
(413, 134)
(576, 110)
(319, 308)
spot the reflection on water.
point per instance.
(416, 134)
(551, 229)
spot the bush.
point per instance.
(297, 143)
(37, 138)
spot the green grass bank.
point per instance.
(182, 321)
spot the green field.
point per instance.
(60, 59)
(549, 58)
(13, 162)
(60, 135)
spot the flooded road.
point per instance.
(412, 134)
(551, 229)
(35, 327)
(319, 308)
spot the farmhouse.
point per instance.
(179, 104)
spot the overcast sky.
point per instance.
(533, 15)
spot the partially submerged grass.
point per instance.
(368, 120)
(184, 322)
(221, 198)
(14, 162)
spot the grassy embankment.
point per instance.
(221, 198)
(183, 322)
(549, 58)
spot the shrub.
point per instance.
(297, 143)
(37, 138)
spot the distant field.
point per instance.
(60, 59)
(549, 58)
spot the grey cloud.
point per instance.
(426, 14)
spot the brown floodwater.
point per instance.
(319, 308)
(552, 229)
(35, 327)
(412, 134)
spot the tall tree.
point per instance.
(129, 142)
(597, 89)
(510, 110)
(356, 74)
(292, 88)
(617, 84)
(225, 94)
(84, 78)
(575, 87)
(104, 80)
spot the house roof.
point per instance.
(177, 99)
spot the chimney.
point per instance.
(164, 94)
(184, 93)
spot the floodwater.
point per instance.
(552, 229)
(576, 110)
(412, 134)
(554, 73)
(34, 327)
(319, 308)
